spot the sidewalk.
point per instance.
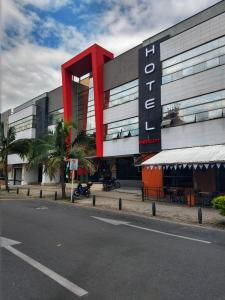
(131, 203)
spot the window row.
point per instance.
(122, 94)
(206, 107)
(217, 61)
(121, 129)
(24, 124)
(194, 52)
(195, 61)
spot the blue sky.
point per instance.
(39, 35)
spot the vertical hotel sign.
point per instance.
(150, 98)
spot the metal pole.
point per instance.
(153, 209)
(71, 192)
(94, 199)
(28, 192)
(40, 193)
(120, 204)
(17, 191)
(55, 195)
(199, 215)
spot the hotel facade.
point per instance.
(157, 111)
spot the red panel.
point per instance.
(67, 93)
(79, 66)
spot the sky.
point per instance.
(38, 36)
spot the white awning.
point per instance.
(188, 156)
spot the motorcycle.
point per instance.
(110, 184)
(81, 190)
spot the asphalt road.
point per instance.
(109, 262)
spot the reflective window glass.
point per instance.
(212, 63)
(121, 129)
(194, 61)
(188, 71)
(122, 94)
(205, 107)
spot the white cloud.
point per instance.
(36, 71)
(29, 69)
(46, 4)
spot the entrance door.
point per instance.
(17, 176)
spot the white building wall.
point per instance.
(194, 37)
(15, 159)
(47, 180)
(196, 134)
(124, 146)
(29, 176)
(195, 85)
(121, 112)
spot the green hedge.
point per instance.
(219, 203)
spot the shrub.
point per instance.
(219, 203)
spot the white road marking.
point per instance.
(170, 234)
(118, 222)
(111, 221)
(75, 289)
(42, 207)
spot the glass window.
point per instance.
(194, 61)
(121, 129)
(222, 60)
(188, 71)
(205, 107)
(86, 108)
(55, 116)
(212, 63)
(122, 94)
(24, 124)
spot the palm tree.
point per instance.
(9, 145)
(53, 150)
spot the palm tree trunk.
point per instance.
(6, 173)
(62, 179)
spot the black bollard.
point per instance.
(40, 193)
(120, 204)
(153, 209)
(94, 200)
(17, 191)
(28, 192)
(72, 200)
(199, 215)
(55, 196)
(142, 194)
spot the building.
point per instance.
(167, 93)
